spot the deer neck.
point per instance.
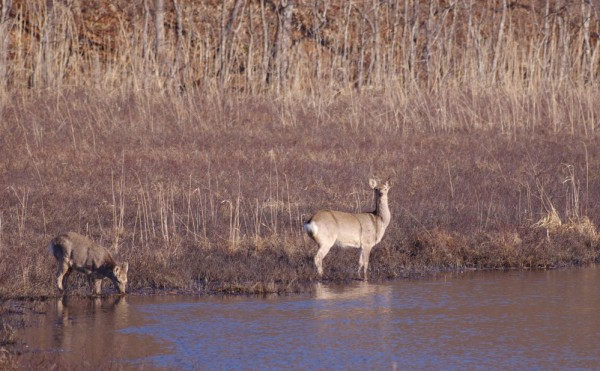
(382, 210)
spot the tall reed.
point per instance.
(285, 46)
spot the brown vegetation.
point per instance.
(211, 194)
(321, 47)
(195, 147)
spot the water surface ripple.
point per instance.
(525, 320)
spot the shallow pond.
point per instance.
(531, 320)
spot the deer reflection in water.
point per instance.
(87, 327)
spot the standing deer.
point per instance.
(362, 231)
(74, 251)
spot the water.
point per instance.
(497, 320)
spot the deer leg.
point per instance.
(364, 261)
(361, 261)
(323, 251)
(61, 275)
(64, 280)
(96, 284)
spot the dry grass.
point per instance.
(197, 153)
(203, 194)
(322, 48)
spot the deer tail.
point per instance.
(311, 228)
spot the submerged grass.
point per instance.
(207, 194)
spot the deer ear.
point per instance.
(116, 269)
(373, 183)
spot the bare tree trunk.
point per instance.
(404, 47)
(316, 33)
(475, 35)
(361, 58)
(159, 38)
(413, 43)
(369, 75)
(499, 41)
(146, 50)
(286, 11)
(450, 62)
(546, 66)
(48, 36)
(177, 70)
(564, 40)
(425, 54)
(594, 60)
(226, 35)
(266, 54)
(346, 47)
(4, 42)
(249, 60)
(376, 57)
(392, 63)
(222, 44)
(588, 65)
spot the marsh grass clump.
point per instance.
(7, 334)
(574, 242)
(272, 268)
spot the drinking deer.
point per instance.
(362, 230)
(74, 251)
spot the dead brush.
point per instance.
(550, 222)
(584, 227)
(439, 248)
(553, 224)
(494, 250)
(8, 335)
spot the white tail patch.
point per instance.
(311, 228)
